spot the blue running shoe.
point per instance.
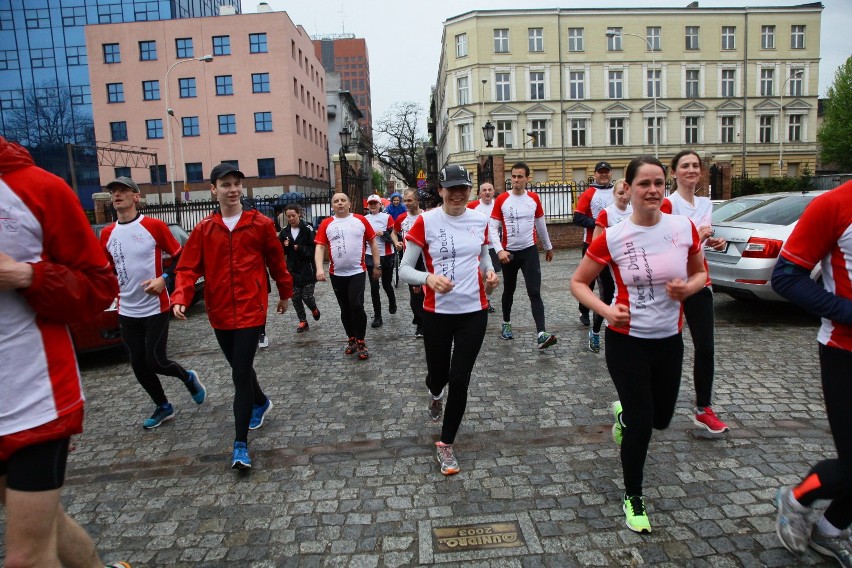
(163, 413)
(257, 414)
(240, 459)
(196, 388)
(506, 331)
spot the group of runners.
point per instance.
(646, 246)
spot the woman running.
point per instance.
(297, 238)
(698, 309)
(454, 242)
(656, 262)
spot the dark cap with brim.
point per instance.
(123, 181)
(603, 166)
(224, 169)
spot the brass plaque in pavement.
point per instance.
(478, 537)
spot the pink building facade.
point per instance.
(259, 102)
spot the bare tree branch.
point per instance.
(397, 142)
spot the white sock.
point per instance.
(827, 529)
(798, 507)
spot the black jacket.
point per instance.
(300, 258)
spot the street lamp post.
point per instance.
(170, 112)
(611, 34)
(781, 126)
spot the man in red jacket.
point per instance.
(232, 248)
(52, 272)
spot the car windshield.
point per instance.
(784, 211)
(725, 211)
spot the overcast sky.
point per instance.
(404, 36)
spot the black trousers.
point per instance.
(646, 374)
(302, 296)
(146, 340)
(527, 261)
(386, 263)
(583, 309)
(832, 478)
(607, 292)
(698, 310)
(349, 291)
(452, 343)
(239, 347)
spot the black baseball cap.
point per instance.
(224, 169)
(125, 181)
(603, 166)
(453, 176)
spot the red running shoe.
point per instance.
(708, 419)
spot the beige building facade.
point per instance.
(562, 94)
(260, 102)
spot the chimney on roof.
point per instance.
(227, 10)
(263, 7)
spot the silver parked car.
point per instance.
(755, 237)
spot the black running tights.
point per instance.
(239, 347)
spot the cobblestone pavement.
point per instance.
(344, 468)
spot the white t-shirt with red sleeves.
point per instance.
(404, 223)
(642, 260)
(824, 234)
(380, 222)
(612, 215)
(516, 215)
(451, 247)
(700, 213)
(486, 210)
(346, 240)
(136, 249)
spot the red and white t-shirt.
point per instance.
(346, 239)
(612, 215)
(135, 250)
(516, 215)
(700, 213)
(824, 234)
(591, 203)
(404, 223)
(380, 222)
(642, 260)
(451, 247)
(486, 210)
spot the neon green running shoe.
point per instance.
(617, 428)
(635, 515)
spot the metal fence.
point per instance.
(829, 181)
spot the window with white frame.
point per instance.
(502, 87)
(690, 130)
(501, 41)
(729, 37)
(613, 41)
(575, 39)
(576, 85)
(794, 128)
(767, 80)
(652, 133)
(796, 82)
(767, 37)
(578, 132)
(653, 84)
(505, 136)
(615, 85)
(465, 137)
(463, 90)
(797, 37)
(691, 37)
(729, 77)
(538, 133)
(616, 131)
(727, 133)
(693, 82)
(654, 34)
(536, 85)
(536, 37)
(764, 129)
(461, 45)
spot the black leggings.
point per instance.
(583, 309)
(607, 292)
(698, 310)
(525, 260)
(832, 478)
(452, 343)
(349, 291)
(239, 347)
(646, 374)
(146, 340)
(304, 295)
(386, 263)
